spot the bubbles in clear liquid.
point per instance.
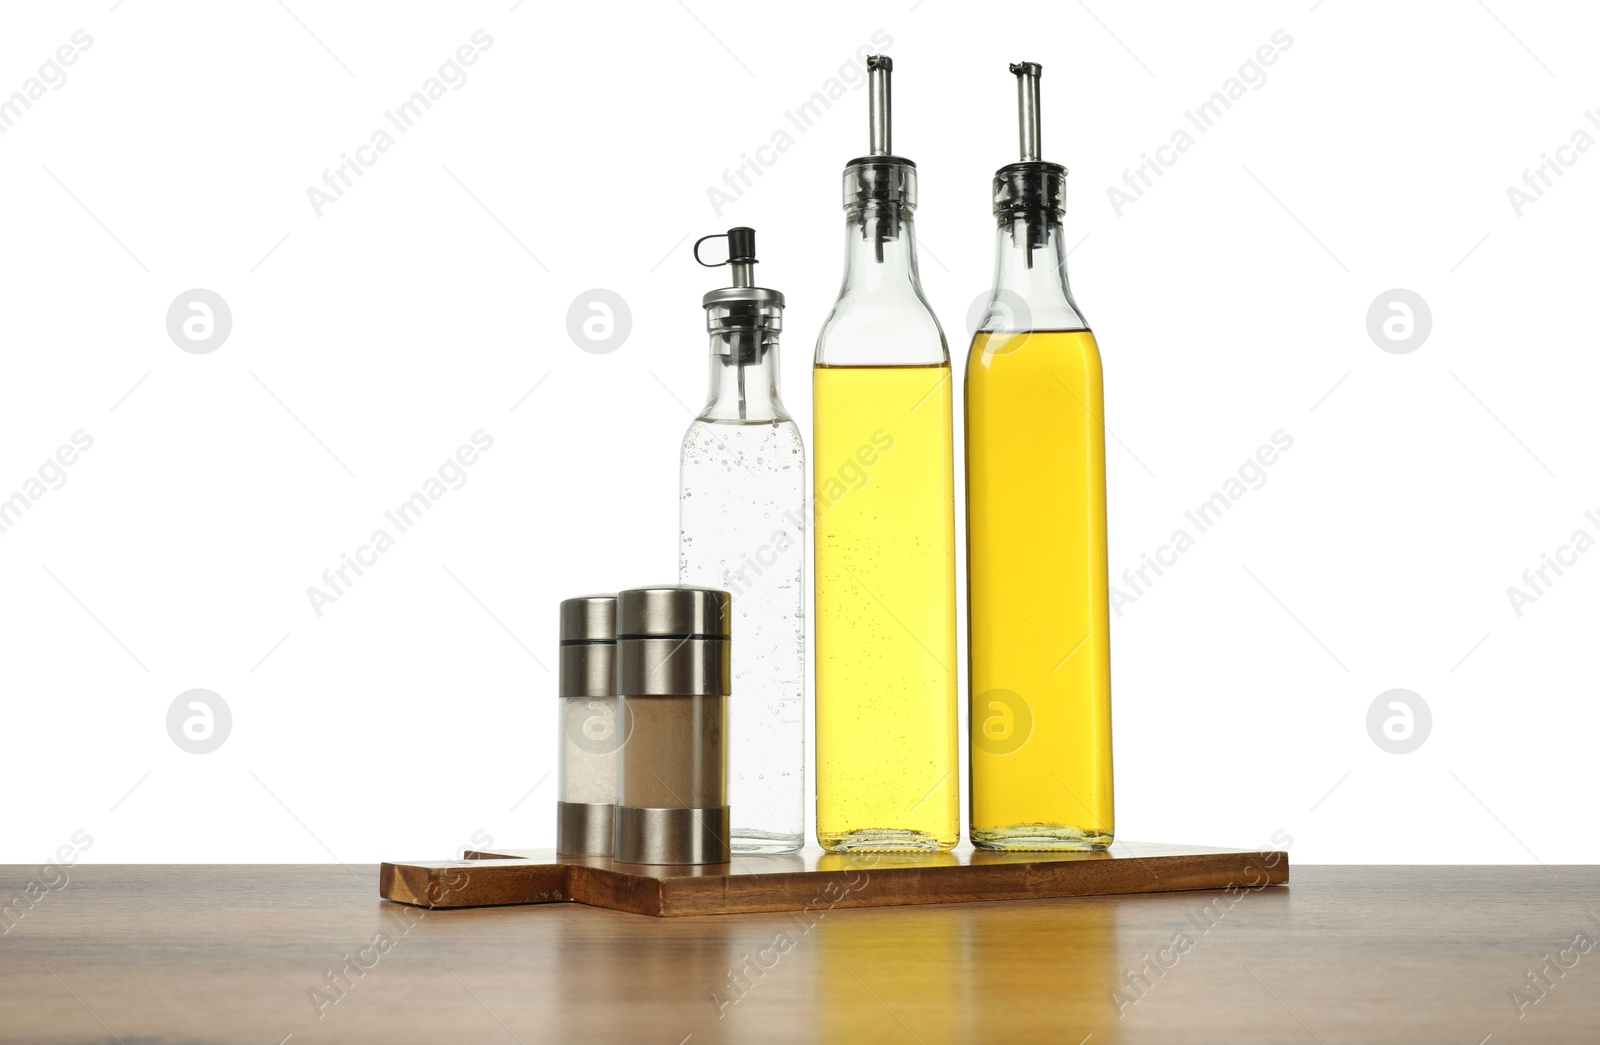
(749, 539)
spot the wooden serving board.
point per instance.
(813, 880)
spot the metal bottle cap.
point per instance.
(588, 647)
(744, 321)
(673, 640)
(879, 185)
(1031, 191)
(880, 177)
(1032, 185)
(881, 181)
(741, 258)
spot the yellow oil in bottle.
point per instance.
(885, 609)
(1040, 659)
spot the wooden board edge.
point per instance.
(523, 881)
(1246, 870)
(458, 884)
(620, 891)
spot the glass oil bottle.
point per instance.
(883, 507)
(1040, 651)
(742, 530)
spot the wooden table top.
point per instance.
(186, 954)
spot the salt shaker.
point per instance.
(587, 792)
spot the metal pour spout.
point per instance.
(879, 130)
(743, 319)
(1028, 108)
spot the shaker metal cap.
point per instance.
(589, 618)
(674, 611)
(588, 647)
(673, 640)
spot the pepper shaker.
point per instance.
(673, 681)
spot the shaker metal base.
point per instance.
(584, 829)
(672, 836)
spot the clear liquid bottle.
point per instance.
(742, 529)
(1039, 630)
(884, 522)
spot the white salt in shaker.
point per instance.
(587, 789)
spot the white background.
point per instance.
(370, 342)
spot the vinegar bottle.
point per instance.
(1040, 656)
(742, 530)
(883, 506)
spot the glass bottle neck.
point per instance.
(880, 253)
(744, 376)
(1030, 277)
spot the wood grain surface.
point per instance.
(183, 955)
(813, 879)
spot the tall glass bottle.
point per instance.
(1039, 630)
(885, 528)
(742, 529)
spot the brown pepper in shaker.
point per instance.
(673, 683)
